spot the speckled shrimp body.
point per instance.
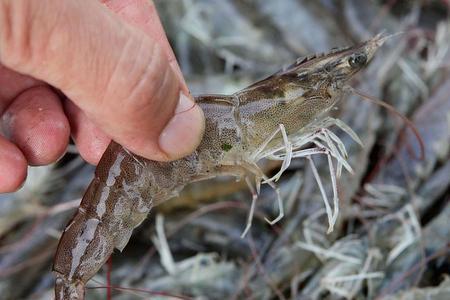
(274, 118)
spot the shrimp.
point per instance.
(280, 117)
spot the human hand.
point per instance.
(116, 67)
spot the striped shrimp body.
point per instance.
(280, 117)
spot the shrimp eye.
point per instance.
(357, 60)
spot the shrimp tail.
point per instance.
(65, 289)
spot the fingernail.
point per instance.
(184, 131)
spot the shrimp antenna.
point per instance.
(392, 109)
(382, 36)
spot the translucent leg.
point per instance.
(342, 150)
(336, 156)
(287, 157)
(326, 142)
(256, 154)
(344, 127)
(309, 152)
(335, 195)
(252, 207)
(287, 147)
(326, 138)
(338, 142)
(280, 205)
(254, 169)
(323, 193)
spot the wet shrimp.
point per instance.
(281, 117)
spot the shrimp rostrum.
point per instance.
(281, 117)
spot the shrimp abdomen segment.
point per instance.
(116, 202)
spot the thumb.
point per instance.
(119, 76)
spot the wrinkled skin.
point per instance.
(126, 186)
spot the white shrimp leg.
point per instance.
(256, 155)
(335, 195)
(322, 191)
(344, 127)
(327, 143)
(342, 150)
(259, 175)
(338, 142)
(338, 153)
(335, 155)
(279, 202)
(255, 192)
(287, 157)
(332, 215)
(252, 207)
(307, 153)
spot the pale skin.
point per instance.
(114, 63)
